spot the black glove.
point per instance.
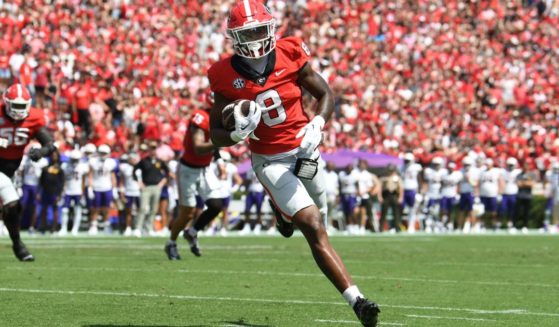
(35, 154)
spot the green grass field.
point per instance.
(265, 281)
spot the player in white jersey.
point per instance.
(551, 222)
(129, 190)
(412, 173)
(509, 176)
(102, 180)
(30, 172)
(89, 151)
(75, 173)
(348, 196)
(368, 186)
(467, 186)
(255, 197)
(449, 192)
(173, 188)
(490, 186)
(230, 180)
(332, 189)
(433, 177)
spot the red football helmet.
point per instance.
(252, 29)
(18, 101)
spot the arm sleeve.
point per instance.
(44, 137)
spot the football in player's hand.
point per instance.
(228, 117)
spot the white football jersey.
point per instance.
(489, 182)
(434, 180)
(32, 170)
(73, 176)
(470, 175)
(102, 171)
(331, 184)
(254, 185)
(511, 188)
(411, 173)
(450, 184)
(131, 186)
(365, 183)
(226, 182)
(349, 181)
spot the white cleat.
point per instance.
(92, 231)
(513, 231)
(137, 233)
(524, 230)
(63, 232)
(257, 229)
(223, 232)
(245, 230)
(75, 232)
(128, 232)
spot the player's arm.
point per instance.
(47, 145)
(319, 89)
(218, 134)
(199, 143)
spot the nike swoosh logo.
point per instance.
(243, 128)
(279, 72)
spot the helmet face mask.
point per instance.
(18, 102)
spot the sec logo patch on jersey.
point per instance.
(239, 83)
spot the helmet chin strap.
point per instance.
(258, 64)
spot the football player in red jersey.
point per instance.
(195, 177)
(18, 124)
(283, 140)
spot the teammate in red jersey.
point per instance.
(195, 178)
(18, 124)
(283, 140)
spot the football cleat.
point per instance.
(171, 250)
(284, 227)
(367, 312)
(193, 242)
(21, 252)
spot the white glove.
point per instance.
(312, 135)
(245, 126)
(4, 143)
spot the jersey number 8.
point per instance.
(273, 112)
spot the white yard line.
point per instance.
(295, 274)
(284, 301)
(450, 318)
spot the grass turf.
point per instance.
(264, 281)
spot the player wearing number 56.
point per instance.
(19, 123)
(283, 140)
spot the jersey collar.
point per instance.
(247, 72)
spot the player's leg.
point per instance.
(143, 210)
(187, 179)
(54, 226)
(163, 212)
(155, 198)
(11, 213)
(65, 215)
(259, 202)
(397, 213)
(294, 200)
(249, 203)
(213, 208)
(225, 215)
(77, 219)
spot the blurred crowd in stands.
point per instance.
(432, 77)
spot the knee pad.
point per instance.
(12, 211)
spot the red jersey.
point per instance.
(280, 93)
(200, 119)
(18, 133)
